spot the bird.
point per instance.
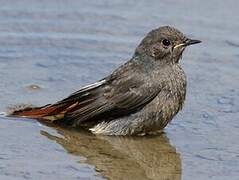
(139, 97)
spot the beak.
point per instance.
(191, 41)
(188, 42)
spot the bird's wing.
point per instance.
(125, 91)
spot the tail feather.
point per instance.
(80, 102)
(49, 112)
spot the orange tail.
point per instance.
(49, 112)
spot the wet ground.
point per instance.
(49, 49)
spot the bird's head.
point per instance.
(165, 44)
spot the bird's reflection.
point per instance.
(149, 157)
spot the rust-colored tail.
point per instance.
(84, 102)
(49, 112)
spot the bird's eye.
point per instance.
(166, 42)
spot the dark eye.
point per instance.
(166, 42)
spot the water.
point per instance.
(51, 48)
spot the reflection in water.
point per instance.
(150, 157)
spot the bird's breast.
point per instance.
(170, 99)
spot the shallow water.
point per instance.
(50, 49)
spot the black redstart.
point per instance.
(141, 96)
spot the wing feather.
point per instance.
(124, 91)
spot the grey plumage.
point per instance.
(141, 96)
